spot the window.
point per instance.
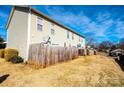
(52, 24)
(39, 20)
(81, 39)
(72, 36)
(39, 24)
(67, 34)
(39, 27)
(78, 45)
(52, 31)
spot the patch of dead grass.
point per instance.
(96, 70)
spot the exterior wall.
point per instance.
(83, 44)
(22, 31)
(17, 32)
(59, 38)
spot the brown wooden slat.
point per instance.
(46, 55)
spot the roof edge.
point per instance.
(56, 22)
(42, 14)
(10, 16)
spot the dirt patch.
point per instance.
(96, 70)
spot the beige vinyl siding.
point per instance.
(22, 31)
(83, 44)
(17, 32)
(37, 36)
(59, 37)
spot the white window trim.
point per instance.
(52, 24)
(41, 27)
(72, 36)
(37, 23)
(68, 34)
(51, 31)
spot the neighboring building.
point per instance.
(27, 26)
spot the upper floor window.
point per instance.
(72, 36)
(39, 24)
(39, 27)
(39, 20)
(82, 40)
(79, 39)
(52, 31)
(52, 24)
(67, 34)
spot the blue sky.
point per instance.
(100, 22)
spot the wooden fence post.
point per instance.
(45, 55)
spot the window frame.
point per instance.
(52, 31)
(79, 38)
(52, 24)
(39, 27)
(39, 23)
(67, 34)
(72, 36)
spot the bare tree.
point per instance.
(113, 47)
(90, 41)
(1, 43)
(121, 43)
(1, 40)
(105, 45)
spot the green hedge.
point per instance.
(16, 59)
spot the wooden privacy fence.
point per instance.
(91, 51)
(46, 55)
(84, 52)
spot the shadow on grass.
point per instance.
(3, 78)
(121, 62)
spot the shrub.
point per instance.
(2, 45)
(1, 39)
(9, 53)
(1, 53)
(16, 59)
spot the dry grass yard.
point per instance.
(96, 70)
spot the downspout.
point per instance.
(28, 32)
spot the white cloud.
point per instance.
(119, 29)
(100, 17)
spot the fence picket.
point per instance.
(46, 55)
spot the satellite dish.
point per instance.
(47, 40)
